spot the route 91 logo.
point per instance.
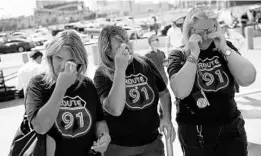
(211, 76)
(73, 120)
(139, 94)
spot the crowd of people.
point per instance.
(126, 109)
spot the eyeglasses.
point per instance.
(203, 31)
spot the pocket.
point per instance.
(189, 136)
(235, 130)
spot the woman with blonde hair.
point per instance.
(130, 87)
(63, 102)
(203, 75)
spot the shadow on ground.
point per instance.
(11, 103)
(250, 108)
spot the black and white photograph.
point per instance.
(130, 78)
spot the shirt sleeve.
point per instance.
(34, 98)
(102, 84)
(158, 78)
(176, 61)
(99, 110)
(230, 45)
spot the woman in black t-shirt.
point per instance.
(130, 87)
(203, 75)
(63, 103)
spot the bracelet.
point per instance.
(191, 58)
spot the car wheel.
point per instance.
(21, 49)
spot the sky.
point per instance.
(14, 8)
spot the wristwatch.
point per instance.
(227, 52)
(192, 59)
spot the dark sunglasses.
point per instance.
(155, 40)
(207, 31)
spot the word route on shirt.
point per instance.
(74, 119)
(211, 76)
(139, 94)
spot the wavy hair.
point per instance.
(105, 48)
(71, 40)
(199, 12)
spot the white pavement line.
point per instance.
(248, 93)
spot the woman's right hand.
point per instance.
(193, 44)
(68, 76)
(122, 57)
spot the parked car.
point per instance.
(40, 37)
(17, 35)
(18, 45)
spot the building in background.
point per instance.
(53, 12)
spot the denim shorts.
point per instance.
(215, 140)
(156, 148)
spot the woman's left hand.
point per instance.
(219, 40)
(102, 143)
(167, 124)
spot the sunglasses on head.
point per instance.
(155, 40)
(207, 31)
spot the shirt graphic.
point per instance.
(211, 76)
(139, 94)
(74, 119)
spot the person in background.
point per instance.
(233, 36)
(155, 25)
(130, 87)
(63, 103)
(157, 56)
(203, 75)
(244, 21)
(29, 69)
(174, 36)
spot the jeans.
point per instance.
(156, 148)
(214, 140)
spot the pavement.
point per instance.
(249, 102)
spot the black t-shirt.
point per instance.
(158, 57)
(138, 124)
(215, 79)
(74, 128)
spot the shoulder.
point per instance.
(179, 52)
(37, 82)
(100, 71)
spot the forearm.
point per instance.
(243, 70)
(165, 101)
(47, 115)
(183, 81)
(115, 102)
(101, 128)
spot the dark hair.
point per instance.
(35, 54)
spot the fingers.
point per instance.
(70, 66)
(67, 66)
(100, 147)
(173, 134)
(166, 131)
(196, 38)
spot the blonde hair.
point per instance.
(73, 42)
(105, 48)
(199, 12)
